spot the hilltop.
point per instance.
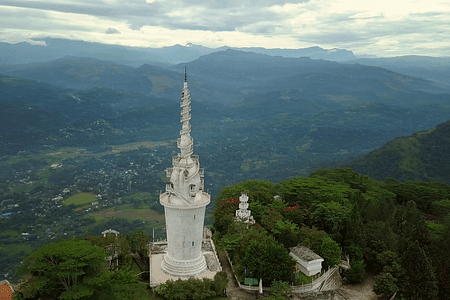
(424, 155)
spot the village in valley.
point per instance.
(303, 237)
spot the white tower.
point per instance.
(184, 204)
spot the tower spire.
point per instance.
(184, 203)
(185, 142)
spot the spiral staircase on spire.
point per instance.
(184, 203)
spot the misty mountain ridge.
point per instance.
(432, 68)
(24, 53)
(231, 76)
(309, 111)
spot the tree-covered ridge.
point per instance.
(423, 155)
(382, 226)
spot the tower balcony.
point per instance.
(164, 200)
(169, 172)
(176, 161)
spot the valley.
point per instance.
(83, 125)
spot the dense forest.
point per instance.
(398, 231)
(421, 156)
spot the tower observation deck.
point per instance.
(184, 203)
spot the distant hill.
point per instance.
(34, 114)
(431, 68)
(249, 79)
(50, 49)
(311, 52)
(239, 68)
(424, 155)
(73, 72)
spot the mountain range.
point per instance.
(51, 49)
(290, 114)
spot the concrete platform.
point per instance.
(158, 250)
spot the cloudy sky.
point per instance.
(373, 27)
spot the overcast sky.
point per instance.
(374, 27)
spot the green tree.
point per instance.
(357, 272)
(419, 281)
(422, 193)
(355, 232)
(286, 232)
(309, 191)
(138, 241)
(220, 283)
(331, 217)
(257, 190)
(258, 210)
(269, 220)
(113, 245)
(385, 285)
(69, 269)
(330, 252)
(280, 289)
(441, 262)
(296, 215)
(231, 242)
(411, 226)
(224, 215)
(387, 258)
(123, 285)
(312, 238)
(269, 260)
(193, 288)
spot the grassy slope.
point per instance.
(81, 198)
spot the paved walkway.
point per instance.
(362, 291)
(332, 295)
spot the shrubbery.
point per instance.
(193, 288)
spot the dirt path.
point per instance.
(362, 291)
(233, 290)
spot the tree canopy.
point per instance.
(69, 269)
(372, 221)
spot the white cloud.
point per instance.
(111, 31)
(382, 27)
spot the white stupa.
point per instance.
(243, 214)
(184, 204)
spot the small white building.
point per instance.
(309, 262)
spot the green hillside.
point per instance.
(424, 155)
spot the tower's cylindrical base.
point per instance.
(185, 268)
